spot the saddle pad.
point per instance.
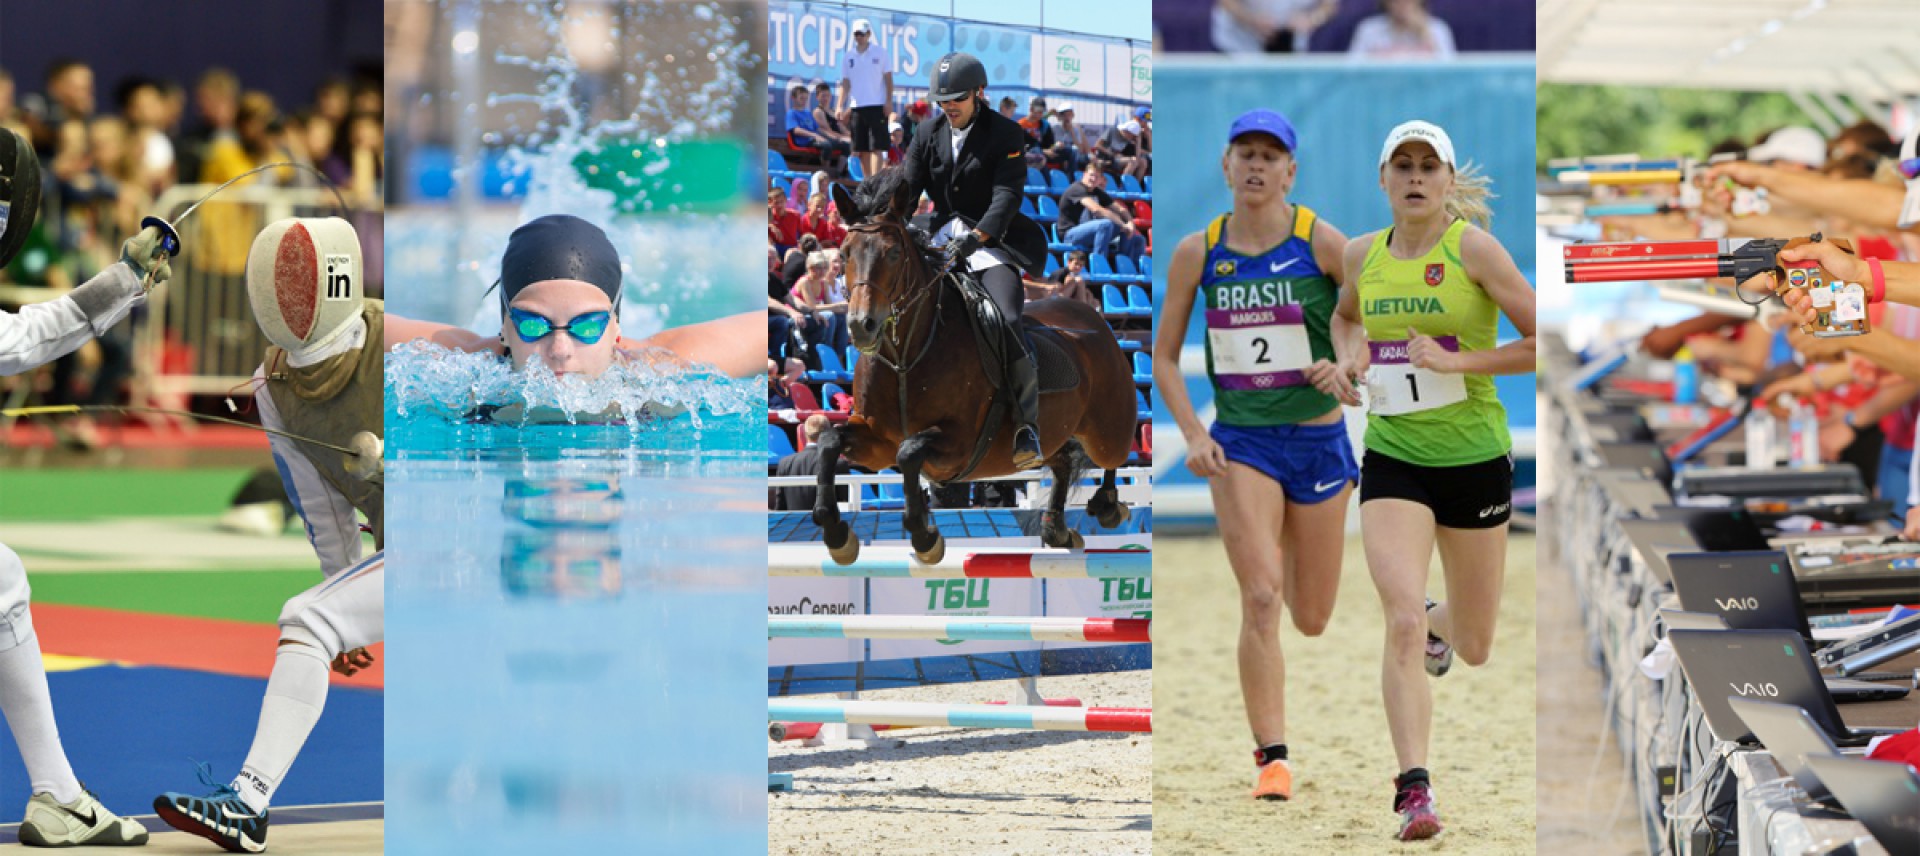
(1054, 366)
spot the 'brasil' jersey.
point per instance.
(1267, 320)
(1433, 295)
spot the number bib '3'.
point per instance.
(1396, 386)
(1263, 348)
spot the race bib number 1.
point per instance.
(1265, 348)
(1395, 386)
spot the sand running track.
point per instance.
(1483, 737)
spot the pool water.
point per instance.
(575, 650)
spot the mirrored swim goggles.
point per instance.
(585, 329)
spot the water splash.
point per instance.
(439, 399)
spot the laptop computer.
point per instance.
(1654, 539)
(1680, 619)
(1717, 529)
(1757, 591)
(1883, 795)
(1751, 590)
(1790, 736)
(1770, 665)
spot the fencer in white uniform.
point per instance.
(61, 813)
(320, 380)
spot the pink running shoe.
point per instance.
(1418, 820)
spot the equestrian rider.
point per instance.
(971, 162)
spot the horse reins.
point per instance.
(891, 328)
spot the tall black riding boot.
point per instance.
(1025, 383)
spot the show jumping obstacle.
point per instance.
(899, 713)
(813, 561)
(971, 629)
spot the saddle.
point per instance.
(1054, 368)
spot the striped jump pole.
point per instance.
(812, 561)
(969, 629)
(925, 714)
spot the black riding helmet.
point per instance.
(956, 76)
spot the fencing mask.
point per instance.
(305, 282)
(19, 193)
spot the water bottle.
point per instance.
(1686, 377)
(1761, 427)
(1805, 428)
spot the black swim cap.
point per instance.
(559, 246)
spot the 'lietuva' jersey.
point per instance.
(1267, 321)
(1415, 415)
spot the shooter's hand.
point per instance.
(142, 253)
(1332, 379)
(1743, 173)
(1839, 262)
(1816, 348)
(351, 662)
(1423, 352)
(1800, 386)
(1205, 457)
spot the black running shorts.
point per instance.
(869, 129)
(1470, 496)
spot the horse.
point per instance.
(922, 399)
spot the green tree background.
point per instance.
(1577, 121)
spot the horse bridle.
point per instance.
(891, 334)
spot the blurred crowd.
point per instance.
(106, 163)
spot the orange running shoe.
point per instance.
(1276, 781)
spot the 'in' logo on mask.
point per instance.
(339, 277)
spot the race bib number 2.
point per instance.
(1265, 348)
(1396, 386)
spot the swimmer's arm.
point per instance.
(735, 344)
(1176, 312)
(1488, 264)
(402, 330)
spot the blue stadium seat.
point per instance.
(1026, 207)
(1124, 266)
(893, 496)
(830, 368)
(1128, 346)
(779, 445)
(853, 356)
(1036, 183)
(1138, 303)
(1053, 265)
(1053, 239)
(1049, 209)
(1148, 184)
(1057, 182)
(1100, 269)
(827, 392)
(777, 169)
(1145, 264)
(1142, 410)
(1142, 370)
(854, 170)
(1112, 302)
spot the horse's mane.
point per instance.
(875, 199)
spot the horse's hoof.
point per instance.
(847, 552)
(1076, 542)
(1114, 515)
(934, 554)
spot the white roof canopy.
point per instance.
(1862, 55)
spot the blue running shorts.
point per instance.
(1312, 463)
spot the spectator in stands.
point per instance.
(1268, 26)
(793, 265)
(1864, 138)
(1093, 221)
(784, 227)
(1403, 30)
(1144, 115)
(1073, 149)
(69, 92)
(229, 228)
(1122, 145)
(1039, 133)
(822, 223)
(9, 112)
(331, 100)
(145, 110)
(1071, 281)
(216, 98)
(897, 148)
(804, 133)
(827, 117)
(805, 462)
(866, 94)
(1008, 106)
(825, 305)
(357, 159)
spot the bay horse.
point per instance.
(922, 397)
